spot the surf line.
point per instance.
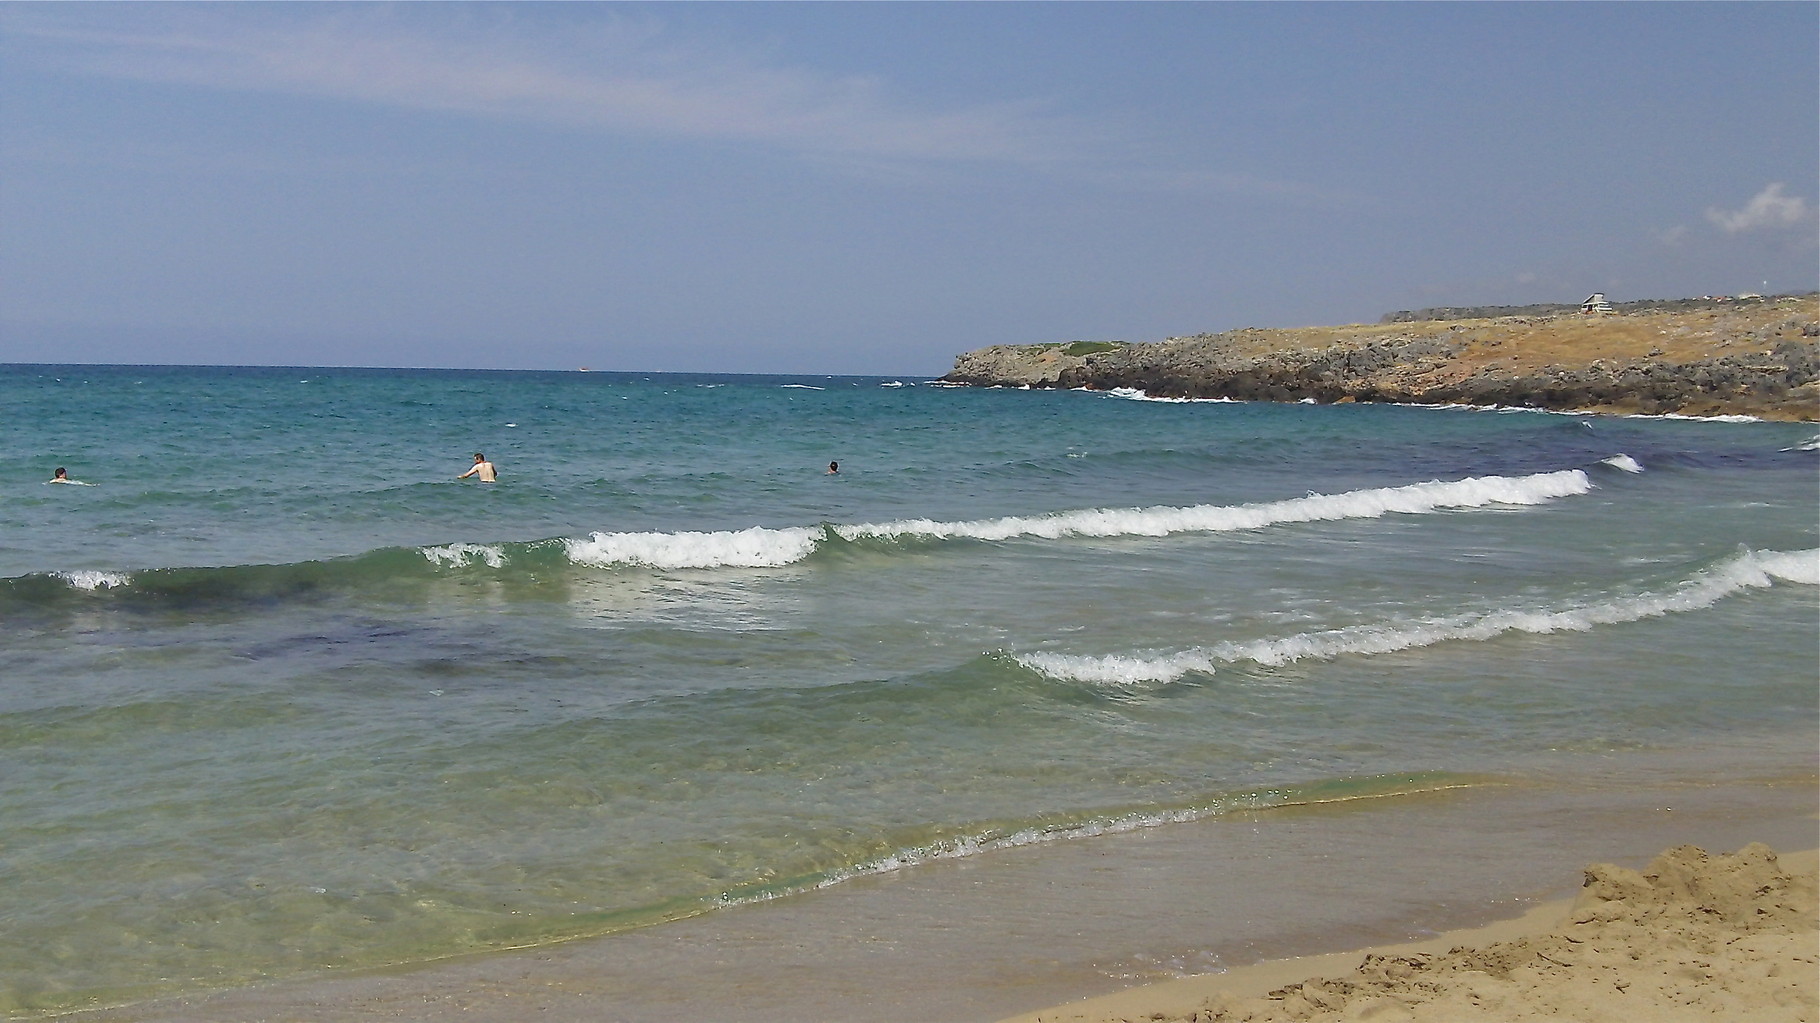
(764, 547)
(1746, 571)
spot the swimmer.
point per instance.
(482, 468)
(60, 476)
(833, 469)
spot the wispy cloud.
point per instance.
(614, 73)
(1767, 209)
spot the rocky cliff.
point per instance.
(1757, 357)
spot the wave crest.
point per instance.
(757, 547)
(1416, 498)
(88, 579)
(1746, 571)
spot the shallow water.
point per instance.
(280, 695)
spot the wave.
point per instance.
(1134, 394)
(757, 547)
(1746, 571)
(1624, 462)
(93, 580)
(768, 547)
(1061, 829)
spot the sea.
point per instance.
(280, 695)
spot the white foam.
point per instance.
(459, 554)
(1746, 571)
(760, 547)
(1679, 417)
(1794, 567)
(1133, 394)
(1625, 462)
(1581, 413)
(1812, 444)
(964, 846)
(805, 387)
(747, 548)
(1476, 492)
(89, 579)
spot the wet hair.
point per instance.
(60, 471)
(478, 457)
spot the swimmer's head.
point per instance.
(478, 457)
(60, 473)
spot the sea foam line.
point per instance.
(964, 846)
(761, 547)
(1473, 492)
(757, 547)
(1746, 571)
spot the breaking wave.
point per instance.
(766, 547)
(746, 548)
(760, 547)
(1746, 571)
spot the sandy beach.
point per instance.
(1692, 936)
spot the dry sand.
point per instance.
(1690, 937)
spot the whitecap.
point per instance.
(457, 555)
(761, 547)
(1624, 462)
(1134, 394)
(89, 579)
(1746, 571)
(1473, 492)
(757, 547)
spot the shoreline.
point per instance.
(1186, 995)
(994, 937)
(1133, 394)
(1262, 987)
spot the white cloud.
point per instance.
(1767, 209)
(611, 74)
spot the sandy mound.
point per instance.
(1691, 937)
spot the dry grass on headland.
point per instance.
(1758, 357)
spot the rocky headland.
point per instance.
(1697, 357)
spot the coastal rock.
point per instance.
(1757, 358)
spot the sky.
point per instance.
(871, 188)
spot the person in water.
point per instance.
(482, 468)
(833, 469)
(60, 476)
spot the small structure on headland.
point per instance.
(1595, 303)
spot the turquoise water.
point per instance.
(280, 694)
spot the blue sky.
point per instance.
(870, 188)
